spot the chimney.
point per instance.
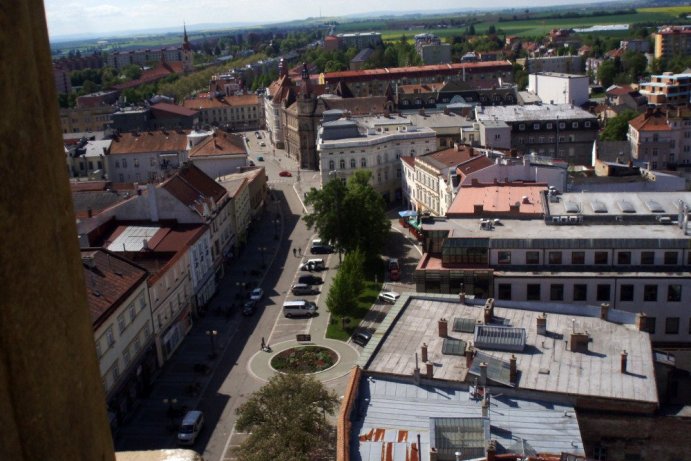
(542, 324)
(430, 370)
(579, 342)
(641, 321)
(483, 374)
(492, 450)
(89, 212)
(485, 406)
(515, 208)
(461, 297)
(477, 209)
(443, 328)
(416, 372)
(469, 354)
(424, 352)
(624, 357)
(488, 315)
(604, 311)
(513, 371)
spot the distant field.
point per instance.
(671, 10)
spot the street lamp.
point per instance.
(212, 337)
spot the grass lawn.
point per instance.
(364, 302)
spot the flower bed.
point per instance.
(306, 359)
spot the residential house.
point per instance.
(236, 112)
(158, 116)
(667, 89)
(671, 41)
(87, 158)
(86, 119)
(555, 88)
(120, 309)
(662, 137)
(219, 154)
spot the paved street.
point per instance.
(234, 365)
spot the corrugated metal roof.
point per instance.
(465, 435)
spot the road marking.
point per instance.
(408, 238)
(225, 447)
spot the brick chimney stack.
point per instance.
(542, 324)
(642, 321)
(443, 328)
(430, 370)
(513, 371)
(604, 311)
(624, 359)
(424, 352)
(483, 374)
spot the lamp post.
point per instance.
(212, 338)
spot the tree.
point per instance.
(286, 420)
(339, 300)
(618, 126)
(606, 73)
(634, 65)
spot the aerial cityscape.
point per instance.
(344, 231)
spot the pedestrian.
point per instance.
(295, 252)
(263, 343)
(300, 251)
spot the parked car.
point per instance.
(262, 144)
(361, 338)
(260, 159)
(256, 294)
(248, 308)
(316, 264)
(310, 280)
(285, 174)
(190, 427)
(318, 247)
(388, 297)
(303, 289)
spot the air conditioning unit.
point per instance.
(563, 219)
(555, 219)
(573, 219)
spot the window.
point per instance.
(556, 292)
(504, 291)
(133, 312)
(562, 125)
(574, 124)
(521, 127)
(555, 257)
(578, 257)
(532, 257)
(603, 292)
(624, 257)
(121, 322)
(352, 163)
(124, 163)
(126, 356)
(601, 257)
(674, 293)
(363, 162)
(533, 293)
(332, 165)
(341, 164)
(110, 339)
(504, 257)
(671, 257)
(647, 257)
(650, 293)
(586, 124)
(136, 163)
(378, 159)
(650, 324)
(672, 326)
(626, 293)
(580, 292)
(536, 126)
(549, 126)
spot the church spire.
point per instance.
(185, 40)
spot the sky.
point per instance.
(97, 17)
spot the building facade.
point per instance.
(671, 41)
(662, 138)
(556, 88)
(245, 112)
(668, 88)
(85, 119)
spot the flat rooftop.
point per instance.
(399, 411)
(545, 364)
(532, 113)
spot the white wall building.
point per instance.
(558, 88)
(372, 143)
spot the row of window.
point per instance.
(599, 257)
(131, 350)
(125, 319)
(550, 125)
(627, 292)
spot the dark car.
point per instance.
(248, 308)
(361, 338)
(321, 249)
(310, 280)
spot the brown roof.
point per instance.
(448, 157)
(409, 159)
(651, 121)
(149, 141)
(421, 88)
(225, 101)
(194, 188)
(110, 279)
(151, 75)
(219, 144)
(164, 108)
(497, 198)
(620, 90)
(394, 73)
(358, 106)
(472, 165)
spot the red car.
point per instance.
(285, 174)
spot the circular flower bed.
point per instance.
(306, 359)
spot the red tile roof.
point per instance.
(219, 144)
(620, 90)
(395, 73)
(109, 279)
(163, 109)
(194, 188)
(497, 199)
(151, 75)
(655, 121)
(409, 159)
(472, 165)
(225, 101)
(149, 141)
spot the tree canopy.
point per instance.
(286, 420)
(618, 126)
(352, 214)
(347, 285)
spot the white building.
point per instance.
(372, 143)
(557, 88)
(88, 158)
(141, 156)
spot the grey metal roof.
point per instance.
(402, 410)
(499, 338)
(465, 435)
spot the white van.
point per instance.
(190, 427)
(299, 308)
(316, 264)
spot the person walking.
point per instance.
(263, 344)
(295, 251)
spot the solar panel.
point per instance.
(626, 206)
(464, 325)
(497, 370)
(654, 206)
(469, 436)
(499, 338)
(572, 207)
(453, 346)
(598, 206)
